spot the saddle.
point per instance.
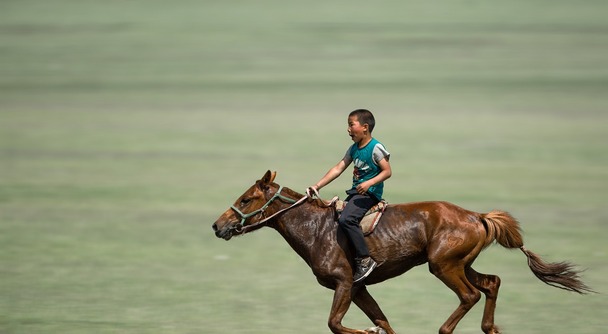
(371, 218)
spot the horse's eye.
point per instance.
(245, 201)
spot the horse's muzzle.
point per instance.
(224, 233)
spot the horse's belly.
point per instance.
(395, 267)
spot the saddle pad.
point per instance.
(371, 218)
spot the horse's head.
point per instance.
(247, 210)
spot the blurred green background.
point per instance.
(128, 127)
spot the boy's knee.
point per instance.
(347, 221)
(343, 224)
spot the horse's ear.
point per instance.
(268, 178)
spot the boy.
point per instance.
(371, 170)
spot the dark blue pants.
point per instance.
(350, 218)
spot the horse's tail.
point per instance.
(503, 228)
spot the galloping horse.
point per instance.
(446, 236)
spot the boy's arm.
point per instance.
(384, 174)
(331, 174)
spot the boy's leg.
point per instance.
(349, 221)
(355, 209)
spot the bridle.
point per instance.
(241, 227)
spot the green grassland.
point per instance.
(128, 127)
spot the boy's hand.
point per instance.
(312, 191)
(363, 187)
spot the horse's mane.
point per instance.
(321, 203)
(291, 193)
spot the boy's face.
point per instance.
(356, 130)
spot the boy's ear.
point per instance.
(366, 126)
(268, 178)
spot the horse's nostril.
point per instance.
(214, 227)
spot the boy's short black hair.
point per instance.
(365, 117)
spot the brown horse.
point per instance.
(446, 236)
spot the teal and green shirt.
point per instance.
(366, 161)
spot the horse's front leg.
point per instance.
(342, 299)
(368, 305)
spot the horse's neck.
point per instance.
(303, 226)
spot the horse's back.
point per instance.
(408, 234)
(436, 215)
(400, 240)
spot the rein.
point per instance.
(241, 227)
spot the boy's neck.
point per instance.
(364, 141)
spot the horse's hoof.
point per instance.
(375, 330)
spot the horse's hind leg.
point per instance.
(453, 276)
(488, 284)
(368, 305)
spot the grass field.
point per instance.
(128, 127)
